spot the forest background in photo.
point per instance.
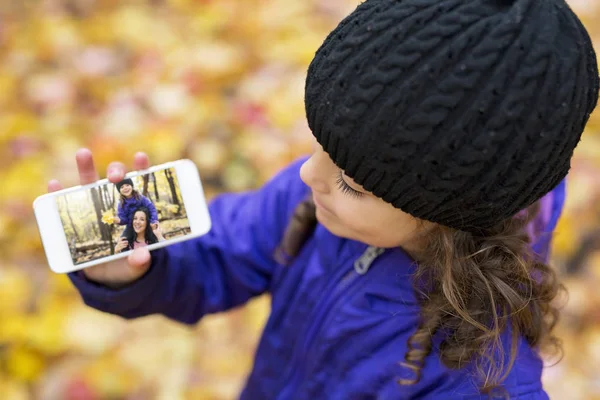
(88, 216)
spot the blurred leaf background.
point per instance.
(220, 82)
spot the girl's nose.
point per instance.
(314, 176)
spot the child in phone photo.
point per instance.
(131, 200)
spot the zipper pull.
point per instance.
(362, 265)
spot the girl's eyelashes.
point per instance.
(343, 186)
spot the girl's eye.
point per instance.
(343, 186)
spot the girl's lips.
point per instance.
(320, 205)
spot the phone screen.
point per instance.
(114, 218)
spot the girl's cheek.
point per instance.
(349, 212)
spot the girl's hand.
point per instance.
(123, 271)
(122, 244)
(117, 220)
(154, 226)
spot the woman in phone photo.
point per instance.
(139, 232)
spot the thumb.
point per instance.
(139, 260)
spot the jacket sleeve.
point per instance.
(217, 271)
(152, 208)
(122, 213)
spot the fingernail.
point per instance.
(113, 174)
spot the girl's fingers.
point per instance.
(86, 167)
(116, 171)
(139, 260)
(141, 161)
(54, 186)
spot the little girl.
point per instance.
(131, 200)
(406, 258)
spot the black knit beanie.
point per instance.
(460, 112)
(126, 181)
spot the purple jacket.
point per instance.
(341, 313)
(128, 207)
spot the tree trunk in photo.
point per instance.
(71, 219)
(79, 215)
(97, 199)
(145, 185)
(112, 196)
(109, 201)
(167, 176)
(174, 197)
(104, 192)
(96, 229)
(155, 187)
(105, 207)
(101, 200)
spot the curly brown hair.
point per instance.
(477, 286)
(471, 287)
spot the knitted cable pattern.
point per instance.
(460, 112)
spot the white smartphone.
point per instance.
(100, 222)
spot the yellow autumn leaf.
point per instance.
(218, 60)
(290, 107)
(13, 390)
(94, 31)
(50, 321)
(15, 291)
(110, 378)
(127, 23)
(82, 331)
(24, 363)
(107, 149)
(61, 285)
(108, 217)
(563, 242)
(207, 21)
(163, 144)
(20, 177)
(238, 176)
(11, 125)
(25, 239)
(210, 155)
(8, 83)
(203, 392)
(13, 328)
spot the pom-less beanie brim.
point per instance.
(126, 181)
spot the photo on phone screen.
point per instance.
(115, 218)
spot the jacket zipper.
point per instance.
(342, 282)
